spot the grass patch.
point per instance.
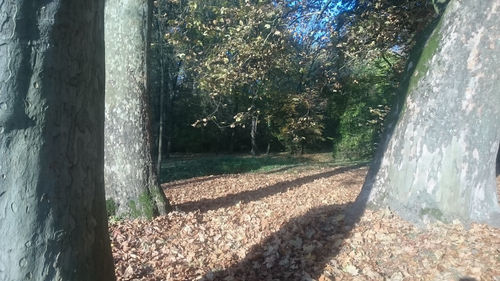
(185, 167)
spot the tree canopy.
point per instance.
(310, 74)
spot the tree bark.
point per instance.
(131, 182)
(439, 162)
(52, 211)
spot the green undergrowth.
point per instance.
(189, 167)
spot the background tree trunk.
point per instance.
(131, 184)
(269, 135)
(169, 107)
(160, 131)
(52, 211)
(253, 135)
(440, 161)
(161, 43)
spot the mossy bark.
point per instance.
(53, 222)
(130, 178)
(439, 163)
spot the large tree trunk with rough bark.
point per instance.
(53, 222)
(132, 187)
(439, 162)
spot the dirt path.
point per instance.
(288, 225)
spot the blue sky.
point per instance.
(314, 18)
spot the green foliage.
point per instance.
(368, 95)
(299, 124)
(356, 141)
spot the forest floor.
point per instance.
(288, 224)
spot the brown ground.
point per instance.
(288, 225)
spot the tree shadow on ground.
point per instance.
(300, 250)
(254, 195)
(280, 170)
(190, 181)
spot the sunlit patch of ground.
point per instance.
(288, 225)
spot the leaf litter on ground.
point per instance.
(289, 225)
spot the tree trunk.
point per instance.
(269, 135)
(169, 147)
(253, 135)
(439, 162)
(169, 107)
(131, 184)
(232, 140)
(162, 90)
(52, 211)
(160, 132)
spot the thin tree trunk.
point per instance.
(169, 147)
(169, 106)
(172, 89)
(231, 141)
(253, 135)
(52, 211)
(268, 150)
(162, 90)
(160, 131)
(130, 177)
